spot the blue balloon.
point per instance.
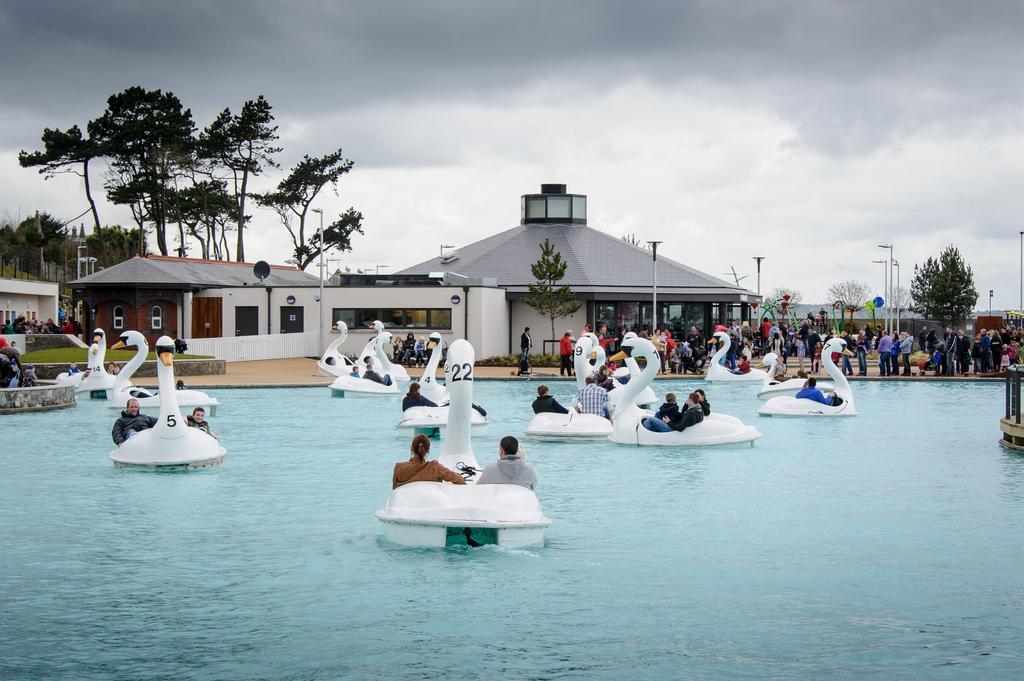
(879, 302)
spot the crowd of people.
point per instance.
(22, 325)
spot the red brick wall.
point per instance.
(137, 319)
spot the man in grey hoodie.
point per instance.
(510, 468)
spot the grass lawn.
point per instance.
(68, 355)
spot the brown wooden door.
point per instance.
(206, 317)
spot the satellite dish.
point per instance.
(261, 270)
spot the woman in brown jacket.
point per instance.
(418, 469)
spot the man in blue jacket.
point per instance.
(810, 392)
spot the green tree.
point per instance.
(944, 289)
(148, 135)
(296, 192)
(122, 244)
(66, 151)
(243, 144)
(546, 297)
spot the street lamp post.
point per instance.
(896, 295)
(654, 297)
(1021, 271)
(321, 299)
(758, 259)
(886, 285)
(990, 292)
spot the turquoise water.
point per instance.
(883, 546)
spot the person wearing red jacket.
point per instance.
(565, 352)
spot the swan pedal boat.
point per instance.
(124, 390)
(344, 386)
(792, 406)
(170, 445)
(436, 514)
(774, 388)
(574, 425)
(718, 371)
(627, 419)
(98, 382)
(396, 371)
(333, 363)
(429, 420)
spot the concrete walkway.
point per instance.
(302, 372)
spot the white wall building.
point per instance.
(33, 300)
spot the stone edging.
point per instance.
(38, 398)
(182, 367)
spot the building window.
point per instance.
(441, 318)
(118, 317)
(402, 318)
(156, 318)
(559, 207)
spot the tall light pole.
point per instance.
(886, 285)
(888, 289)
(990, 292)
(896, 295)
(654, 297)
(758, 259)
(321, 299)
(1022, 272)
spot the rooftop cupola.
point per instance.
(553, 206)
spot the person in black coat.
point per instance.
(692, 414)
(130, 423)
(546, 403)
(414, 399)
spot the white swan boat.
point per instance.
(98, 381)
(429, 387)
(646, 397)
(124, 390)
(792, 406)
(774, 388)
(396, 371)
(719, 372)
(573, 426)
(333, 363)
(357, 385)
(429, 420)
(426, 514)
(170, 445)
(627, 420)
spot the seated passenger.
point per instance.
(355, 371)
(604, 379)
(198, 420)
(591, 399)
(414, 399)
(130, 423)
(811, 392)
(418, 469)
(705, 406)
(372, 375)
(180, 385)
(690, 416)
(546, 403)
(744, 366)
(510, 468)
(665, 417)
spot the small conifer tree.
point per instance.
(546, 297)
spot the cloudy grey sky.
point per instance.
(808, 132)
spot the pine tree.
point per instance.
(546, 297)
(944, 289)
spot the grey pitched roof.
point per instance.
(597, 262)
(191, 273)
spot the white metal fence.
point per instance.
(249, 348)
